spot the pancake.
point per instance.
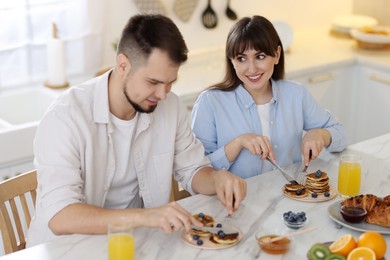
(295, 190)
(294, 194)
(226, 239)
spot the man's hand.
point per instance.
(170, 218)
(231, 190)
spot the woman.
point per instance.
(254, 113)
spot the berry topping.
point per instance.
(314, 195)
(201, 215)
(294, 182)
(199, 242)
(292, 217)
(221, 234)
(219, 225)
(326, 194)
(318, 173)
(298, 191)
(195, 237)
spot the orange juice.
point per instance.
(121, 247)
(350, 171)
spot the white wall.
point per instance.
(300, 14)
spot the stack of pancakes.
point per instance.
(317, 183)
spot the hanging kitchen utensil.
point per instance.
(184, 9)
(150, 6)
(209, 17)
(229, 12)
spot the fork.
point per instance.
(301, 179)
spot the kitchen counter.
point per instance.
(311, 50)
(261, 210)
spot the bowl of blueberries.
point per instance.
(295, 220)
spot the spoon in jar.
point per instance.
(292, 234)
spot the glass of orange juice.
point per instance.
(121, 244)
(350, 172)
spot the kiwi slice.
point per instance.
(335, 257)
(318, 252)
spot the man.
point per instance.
(108, 147)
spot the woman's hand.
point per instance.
(256, 144)
(314, 140)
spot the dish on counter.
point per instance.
(372, 34)
(207, 243)
(335, 215)
(345, 23)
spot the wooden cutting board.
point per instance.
(184, 9)
(150, 6)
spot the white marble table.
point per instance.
(262, 209)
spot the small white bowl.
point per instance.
(295, 225)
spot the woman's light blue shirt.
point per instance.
(220, 116)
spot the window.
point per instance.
(26, 27)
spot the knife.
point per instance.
(215, 230)
(285, 174)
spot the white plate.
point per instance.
(285, 32)
(334, 214)
(320, 198)
(363, 36)
(345, 23)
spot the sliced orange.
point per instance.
(363, 252)
(343, 245)
(375, 241)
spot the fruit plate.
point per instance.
(207, 243)
(334, 214)
(320, 197)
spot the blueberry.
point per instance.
(298, 192)
(195, 237)
(201, 215)
(294, 182)
(326, 194)
(219, 225)
(221, 234)
(199, 242)
(291, 219)
(318, 173)
(314, 195)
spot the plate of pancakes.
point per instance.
(211, 240)
(316, 189)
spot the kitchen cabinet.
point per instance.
(333, 88)
(372, 106)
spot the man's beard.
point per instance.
(137, 107)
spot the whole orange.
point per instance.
(375, 241)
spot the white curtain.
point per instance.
(26, 26)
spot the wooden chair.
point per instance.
(13, 193)
(178, 192)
